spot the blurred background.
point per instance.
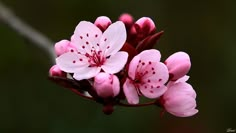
(205, 29)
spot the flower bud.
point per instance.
(179, 100)
(56, 71)
(127, 19)
(62, 47)
(146, 25)
(106, 85)
(102, 22)
(178, 65)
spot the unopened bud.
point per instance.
(178, 65)
(106, 85)
(62, 47)
(146, 25)
(127, 19)
(56, 71)
(102, 22)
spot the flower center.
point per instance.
(95, 59)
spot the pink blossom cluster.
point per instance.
(112, 62)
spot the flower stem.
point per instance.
(81, 94)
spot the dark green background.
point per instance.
(204, 29)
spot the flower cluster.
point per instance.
(112, 62)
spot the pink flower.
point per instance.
(178, 65)
(95, 51)
(180, 98)
(106, 85)
(147, 76)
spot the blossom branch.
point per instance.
(38, 39)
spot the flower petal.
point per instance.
(86, 37)
(130, 92)
(116, 85)
(155, 73)
(113, 38)
(150, 91)
(180, 89)
(133, 65)
(86, 73)
(150, 55)
(115, 63)
(181, 106)
(71, 62)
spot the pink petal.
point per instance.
(150, 55)
(180, 89)
(86, 37)
(142, 60)
(116, 85)
(130, 92)
(113, 38)
(182, 79)
(86, 73)
(155, 73)
(188, 113)
(181, 106)
(133, 65)
(150, 91)
(70, 62)
(115, 63)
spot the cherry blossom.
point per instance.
(147, 76)
(180, 98)
(95, 51)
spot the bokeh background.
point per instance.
(206, 29)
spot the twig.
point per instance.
(15, 23)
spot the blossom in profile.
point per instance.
(146, 76)
(95, 51)
(180, 98)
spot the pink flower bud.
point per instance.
(106, 85)
(178, 65)
(179, 100)
(127, 19)
(62, 47)
(102, 22)
(146, 25)
(56, 71)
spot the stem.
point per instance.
(82, 95)
(16, 24)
